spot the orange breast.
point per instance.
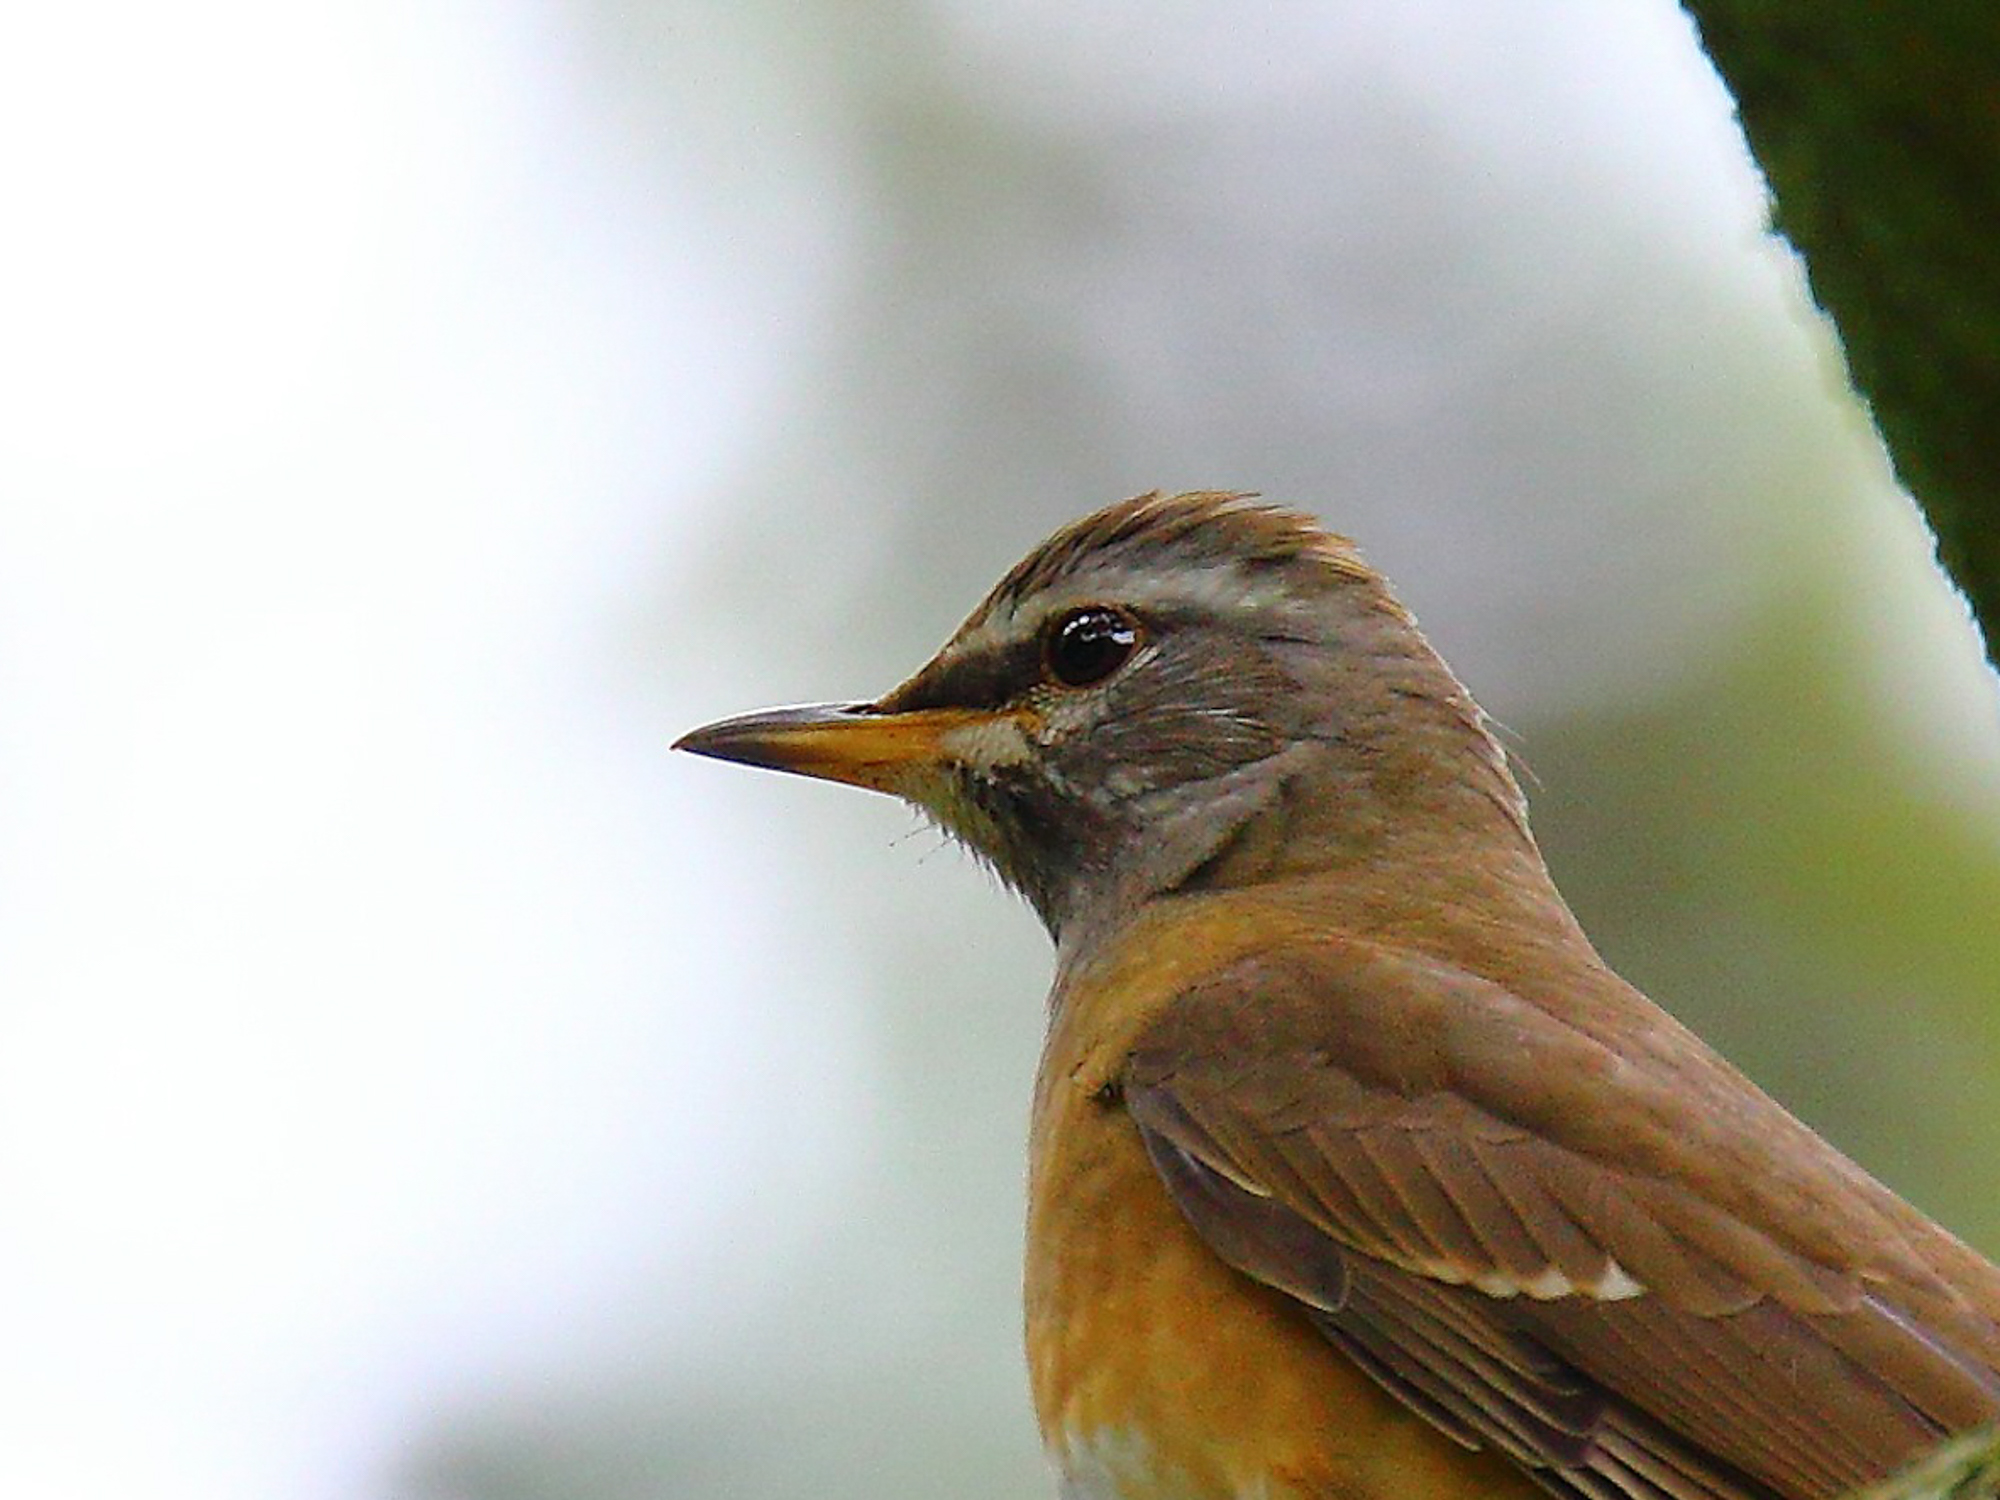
(1159, 1373)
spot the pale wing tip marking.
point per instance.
(1616, 1284)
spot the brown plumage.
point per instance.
(1354, 1171)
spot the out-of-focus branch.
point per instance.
(1966, 1468)
(1878, 128)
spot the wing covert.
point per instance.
(1475, 1240)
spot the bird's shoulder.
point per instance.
(1121, 1288)
(1445, 1171)
(1338, 1046)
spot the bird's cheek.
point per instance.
(986, 745)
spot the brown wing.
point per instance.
(1632, 1273)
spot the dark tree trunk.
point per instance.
(1878, 128)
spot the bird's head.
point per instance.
(1177, 692)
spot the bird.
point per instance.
(1354, 1170)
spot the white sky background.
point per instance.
(380, 1005)
(355, 394)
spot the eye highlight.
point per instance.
(1085, 646)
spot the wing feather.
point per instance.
(1622, 1328)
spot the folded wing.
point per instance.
(1580, 1257)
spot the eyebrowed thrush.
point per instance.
(1354, 1171)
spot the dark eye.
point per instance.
(1087, 645)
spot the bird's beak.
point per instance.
(858, 743)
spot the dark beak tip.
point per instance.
(695, 741)
(705, 739)
(752, 739)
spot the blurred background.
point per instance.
(415, 1083)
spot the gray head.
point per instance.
(1178, 692)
